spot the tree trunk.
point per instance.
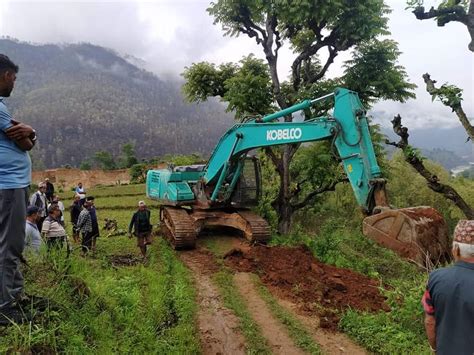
(285, 211)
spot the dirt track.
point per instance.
(219, 326)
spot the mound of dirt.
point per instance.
(320, 289)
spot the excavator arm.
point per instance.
(347, 128)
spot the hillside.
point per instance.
(83, 98)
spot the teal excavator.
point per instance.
(221, 192)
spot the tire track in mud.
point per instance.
(218, 326)
(275, 332)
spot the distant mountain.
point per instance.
(83, 98)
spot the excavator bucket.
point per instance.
(418, 234)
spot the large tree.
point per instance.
(317, 31)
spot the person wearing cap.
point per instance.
(38, 199)
(32, 234)
(140, 224)
(84, 224)
(53, 232)
(449, 298)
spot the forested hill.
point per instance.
(83, 98)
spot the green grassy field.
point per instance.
(104, 308)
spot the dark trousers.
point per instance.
(55, 243)
(87, 241)
(13, 204)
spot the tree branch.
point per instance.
(332, 54)
(413, 158)
(454, 104)
(455, 13)
(310, 197)
(275, 160)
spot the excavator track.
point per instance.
(258, 230)
(178, 227)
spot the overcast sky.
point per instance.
(172, 34)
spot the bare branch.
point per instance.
(412, 157)
(275, 159)
(312, 195)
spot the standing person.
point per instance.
(53, 232)
(75, 210)
(38, 199)
(84, 224)
(142, 227)
(79, 190)
(15, 176)
(56, 200)
(95, 222)
(49, 191)
(449, 298)
(32, 234)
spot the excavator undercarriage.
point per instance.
(182, 226)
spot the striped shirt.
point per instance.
(84, 221)
(52, 228)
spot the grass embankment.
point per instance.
(102, 308)
(399, 331)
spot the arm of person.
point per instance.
(45, 228)
(430, 320)
(23, 135)
(132, 223)
(430, 328)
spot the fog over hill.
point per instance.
(84, 98)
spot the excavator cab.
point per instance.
(248, 190)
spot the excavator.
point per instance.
(222, 192)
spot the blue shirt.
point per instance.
(32, 237)
(15, 164)
(451, 291)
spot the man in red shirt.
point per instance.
(449, 298)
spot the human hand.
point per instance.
(19, 131)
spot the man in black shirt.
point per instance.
(75, 211)
(142, 227)
(449, 298)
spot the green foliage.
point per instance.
(246, 87)
(85, 165)
(399, 331)
(105, 160)
(374, 73)
(129, 157)
(412, 153)
(449, 95)
(138, 173)
(180, 159)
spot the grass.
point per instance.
(105, 309)
(296, 330)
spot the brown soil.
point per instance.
(273, 331)
(318, 289)
(218, 326)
